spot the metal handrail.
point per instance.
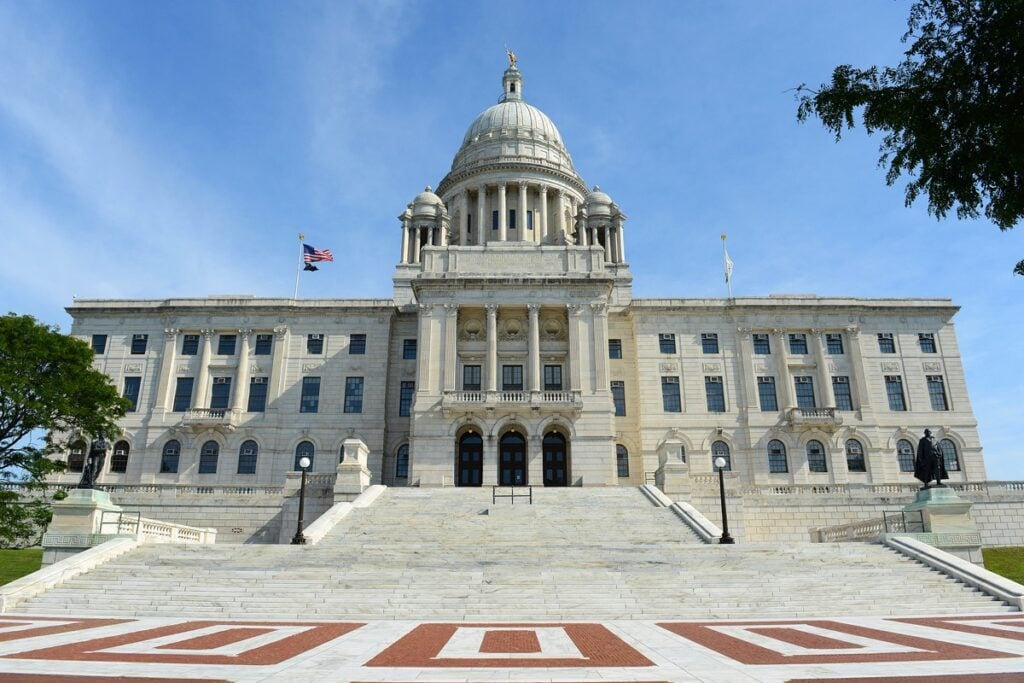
(512, 494)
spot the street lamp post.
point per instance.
(720, 463)
(299, 538)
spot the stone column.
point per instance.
(862, 397)
(481, 209)
(619, 225)
(534, 346)
(415, 246)
(242, 374)
(585, 240)
(600, 352)
(560, 222)
(613, 233)
(405, 238)
(788, 396)
(199, 391)
(824, 377)
(521, 219)
(607, 243)
(502, 214)
(492, 347)
(575, 312)
(464, 218)
(746, 362)
(544, 237)
(163, 389)
(425, 352)
(451, 322)
(278, 365)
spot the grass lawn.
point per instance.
(15, 564)
(1008, 562)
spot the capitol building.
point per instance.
(512, 352)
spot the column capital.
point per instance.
(501, 188)
(575, 310)
(245, 333)
(522, 184)
(451, 309)
(778, 332)
(492, 309)
(280, 331)
(426, 309)
(817, 332)
(853, 330)
(544, 189)
(534, 309)
(599, 309)
(171, 332)
(744, 330)
(207, 333)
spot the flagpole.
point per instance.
(298, 266)
(728, 269)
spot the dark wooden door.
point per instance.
(512, 460)
(556, 460)
(470, 466)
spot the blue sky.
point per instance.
(165, 149)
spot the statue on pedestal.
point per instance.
(929, 465)
(93, 464)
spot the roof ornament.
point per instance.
(512, 59)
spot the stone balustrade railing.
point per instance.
(986, 489)
(511, 398)
(155, 531)
(865, 530)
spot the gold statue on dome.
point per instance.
(512, 59)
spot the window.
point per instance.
(99, 344)
(834, 344)
(615, 348)
(264, 343)
(816, 457)
(715, 392)
(937, 392)
(894, 390)
(552, 378)
(619, 397)
(670, 395)
(766, 394)
(512, 377)
(511, 219)
(353, 394)
(471, 378)
(310, 401)
(76, 456)
(119, 460)
(709, 342)
(226, 344)
(762, 347)
(804, 391)
(183, 394)
(886, 344)
(402, 462)
(131, 392)
(841, 391)
(357, 345)
(720, 449)
(927, 342)
(798, 344)
(855, 456)
(948, 450)
(405, 398)
(494, 220)
(622, 460)
(777, 457)
(303, 450)
(409, 349)
(257, 395)
(139, 343)
(667, 343)
(169, 457)
(220, 394)
(190, 345)
(529, 220)
(905, 455)
(247, 455)
(208, 457)
(314, 344)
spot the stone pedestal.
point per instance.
(353, 475)
(78, 524)
(673, 478)
(947, 522)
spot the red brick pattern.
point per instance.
(62, 678)
(510, 641)
(59, 626)
(1012, 677)
(964, 625)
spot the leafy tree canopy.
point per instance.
(952, 111)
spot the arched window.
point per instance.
(777, 457)
(855, 456)
(622, 460)
(720, 449)
(208, 457)
(247, 455)
(341, 454)
(905, 455)
(119, 460)
(169, 457)
(76, 456)
(303, 450)
(948, 450)
(402, 462)
(816, 461)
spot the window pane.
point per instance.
(303, 450)
(709, 342)
(471, 378)
(798, 344)
(766, 394)
(353, 394)
(552, 378)
(762, 347)
(720, 449)
(357, 345)
(512, 377)
(119, 460)
(777, 457)
(247, 456)
(834, 344)
(804, 391)
(226, 345)
(314, 344)
(667, 343)
(131, 392)
(816, 461)
(257, 395)
(264, 343)
(220, 395)
(841, 391)
(310, 401)
(894, 391)
(511, 219)
(190, 345)
(208, 458)
(905, 455)
(402, 463)
(139, 343)
(927, 342)
(405, 398)
(855, 456)
(622, 460)
(886, 344)
(670, 395)
(169, 457)
(409, 349)
(937, 392)
(183, 394)
(619, 397)
(715, 394)
(99, 344)
(948, 450)
(615, 348)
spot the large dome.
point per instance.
(513, 115)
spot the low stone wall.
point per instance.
(1000, 523)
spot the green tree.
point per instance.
(47, 388)
(952, 111)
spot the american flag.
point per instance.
(311, 254)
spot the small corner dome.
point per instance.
(426, 202)
(598, 203)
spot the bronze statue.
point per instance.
(93, 464)
(929, 465)
(511, 58)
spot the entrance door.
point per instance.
(556, 460)
(470, 465)
(512, 460)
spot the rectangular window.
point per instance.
(247, 458)
(257, 395)
(804, 391)
(220, 395)
(834, 344)
(314, 344)
(667, 343)
(353, 394)
(357, 345)
(552, 378)
(310, 401)
(841, 390)
(894, 390)
(715, 391)
(131, 392)
(99, 344)
(190, 345)
(619, 397)
(139, 343)
(816, 457)
(937, 392)
(264, 343)
(405, 399)
(226, 345)
(512, 377)
(762, 347)
(886, 344)
(511, 219)
(709, 342)
(409, 349)
(615, 348)
(798, 344)
(766, 394)
(777, 458)
(529, 220)
(183, 394)
(927, 342)
(471, 378)
(494, 220)
(670, 395)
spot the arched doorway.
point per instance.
(556, 460)
(512, 460)
(469, 467)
